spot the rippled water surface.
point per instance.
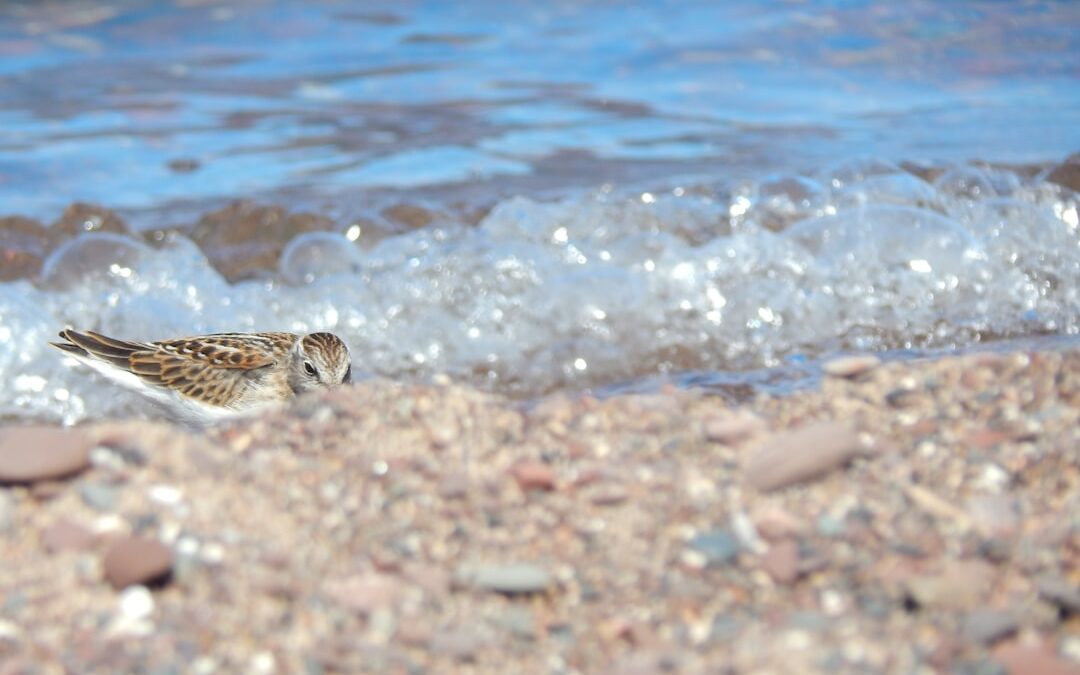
(534, 198)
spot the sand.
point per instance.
(906, 517)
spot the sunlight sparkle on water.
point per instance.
(920, 266)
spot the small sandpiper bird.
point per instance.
(211, 377)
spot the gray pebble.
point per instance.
(718, 546)
(1059, 592)
(828, 526)
(7, 511)
(512, 578)
(99, 496)
(986, 626)
(519, 620)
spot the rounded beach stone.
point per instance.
(65, 535)
(30, 454)
(851, 366)
(532, 475)
(512, 578)
(802, 454)
(136, 560)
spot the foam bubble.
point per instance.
(596, 289)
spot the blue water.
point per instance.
(325, 103)
(715, 194)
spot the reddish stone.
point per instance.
(80, 218)
(365, 593)
(851, 366)
(135, 560)
(806, 453)
(924, 428)
(777, 524)
(531, 475)
(1067, 173)
(23, 245)
(732, 429)
(66, 535)
(1024, 659)
(32, 454)
(987, 438)
(782, 561)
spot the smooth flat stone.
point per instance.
(32, 454)
(792, 457)
(136, 560)
(511, 578)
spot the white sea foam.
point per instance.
(595, 289)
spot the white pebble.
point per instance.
(204, 665)
(263, 662)
(747, 534)
(993, 478)
(9, 630)
(832, 602)
(187, 546)
(136, 602)
(110, 523)
(166, 494)
(213, 553)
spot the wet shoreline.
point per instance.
(244, 238)
(734, 288)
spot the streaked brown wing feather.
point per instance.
(229, 350)
(213, 369)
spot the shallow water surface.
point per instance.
(532, 199)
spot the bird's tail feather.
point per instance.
(95, 345)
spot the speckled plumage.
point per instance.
(212, 376)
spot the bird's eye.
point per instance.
(309, 368)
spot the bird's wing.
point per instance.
(244, 351)
(211, 369)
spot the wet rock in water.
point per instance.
(65, 535)
(532, 475)
(806, 453)
(137, 560)
(33, 454)
(184, 164)
(80, 218)
(715, 547)
(23, 246)
(851, 366)
(986, 626)
(1067, 174)
(412, 217)
(244, 240)
(512, 578)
